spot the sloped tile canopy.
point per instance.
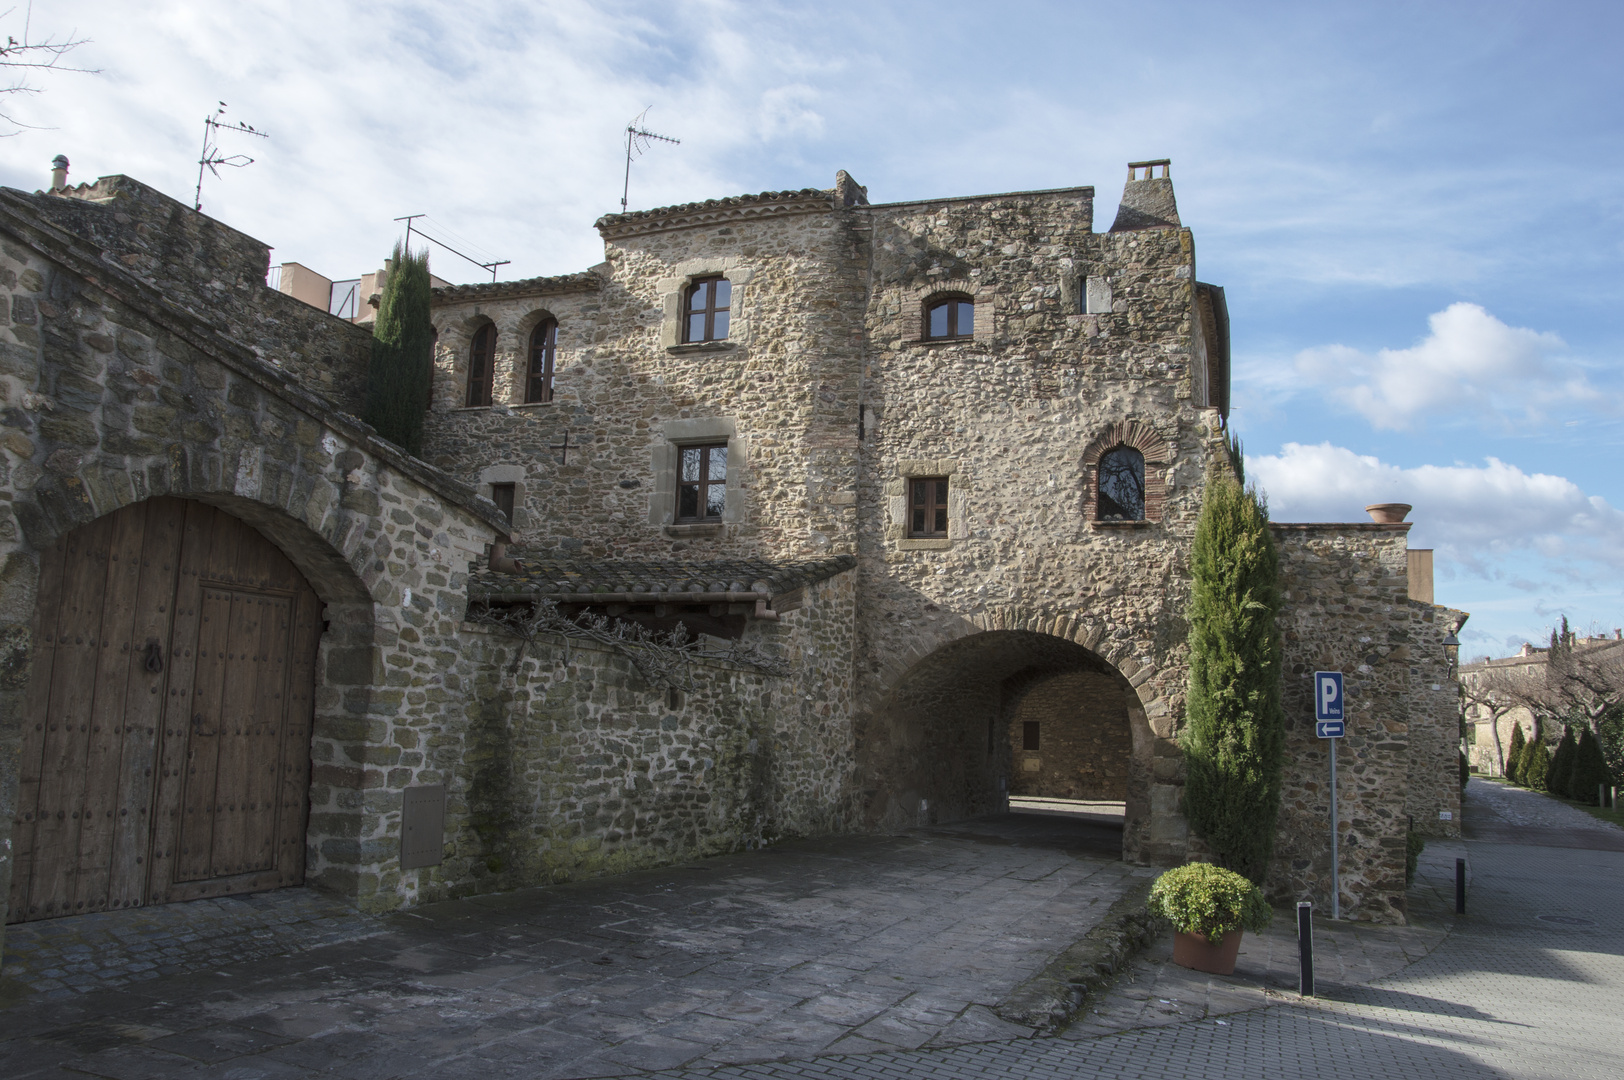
(592, 581)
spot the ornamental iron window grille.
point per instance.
(538, 386)
(481, 365)
(927, 507)
(705, 312)
(702, 482)
(953, 317)
(1122, 485)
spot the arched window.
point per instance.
(543, 350)
(705, 310)
(952, 317)
(481, 365)
(1122, 485)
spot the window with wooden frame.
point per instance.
(950, 317)
(538, 386)
(481, 365)
(701, 482)
(502, 495)
(927, 507)
(1121, 485)
(705, 310)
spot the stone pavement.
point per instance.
(842, 946)
(1509, 814)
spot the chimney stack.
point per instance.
(59, 172)
(1147, 201)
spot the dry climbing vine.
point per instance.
(663, 658)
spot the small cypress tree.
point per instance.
(1589, 770)
(1557, 783)
(1234, 734)
(1610, 734)
(1514, 758)
(1537, 767)
(402, 353)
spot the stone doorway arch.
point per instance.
(944, 743)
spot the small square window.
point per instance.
(502, 495)
(1029, 735)
(702, 482)
(927, 507)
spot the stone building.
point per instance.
(1492, 689)
(922, 476)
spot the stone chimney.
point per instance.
(848, 192)
(59, 172)
(1147, 201)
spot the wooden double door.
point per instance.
(165, 751)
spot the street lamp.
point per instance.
(1452, 651)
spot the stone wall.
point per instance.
(1346, 608)
(1085, 745)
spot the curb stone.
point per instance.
(1053, 997)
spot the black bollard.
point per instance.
(1460, 886)
(1305, 948)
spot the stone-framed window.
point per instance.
(678, 292)
(942, 500)
(952, 316)
(706, 309)
(920, 303)
(695, 440)
(505, 485)
(1126, 456)
(503, 496)
(927, 507)
(481, 366)
(701, 482)
(538, 383)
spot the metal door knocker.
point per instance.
(155, 658)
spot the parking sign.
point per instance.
(1328, 713)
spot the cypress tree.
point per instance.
(1514, 758)
(1589, 770)
(402, 353)
(1557, 783)
(1537, 767)
(1234, 734)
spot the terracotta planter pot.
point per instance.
(1198, 954)
(1388, 513)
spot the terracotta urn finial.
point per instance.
(1388, 513)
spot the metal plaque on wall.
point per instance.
(422, 826)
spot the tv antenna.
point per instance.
(638, 139)
(211, 156)
(409, 218)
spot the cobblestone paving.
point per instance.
(1510, 814)
(60, 957)
(839, 946)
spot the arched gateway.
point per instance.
(1001, 713)
(170, 700)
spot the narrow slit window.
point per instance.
(543, 353)
(927, 507)
(702, 483)
(502, 495)
(481, 365)
(1122, 485)
(951, 318)
(1029, 735)
(706, 311)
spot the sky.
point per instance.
(1415, 209)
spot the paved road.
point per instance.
(847, 945)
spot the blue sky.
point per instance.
(1416, 210)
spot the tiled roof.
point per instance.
(551, 576)
(584, 281)
(714, 211)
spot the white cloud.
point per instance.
(1474, 515)
(1470, 363)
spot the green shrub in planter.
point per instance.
(1199, 898)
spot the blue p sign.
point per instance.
(1327, 695)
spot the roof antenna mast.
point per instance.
(638, 139)
(211, 156)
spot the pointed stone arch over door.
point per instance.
(166, 743)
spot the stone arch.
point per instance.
(454, 337)
(1157, 451)
(521, 331)
(911, 318)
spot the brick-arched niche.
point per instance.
(1154, 448)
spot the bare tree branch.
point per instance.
(25, 55)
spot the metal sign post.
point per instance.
(1330, 723)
